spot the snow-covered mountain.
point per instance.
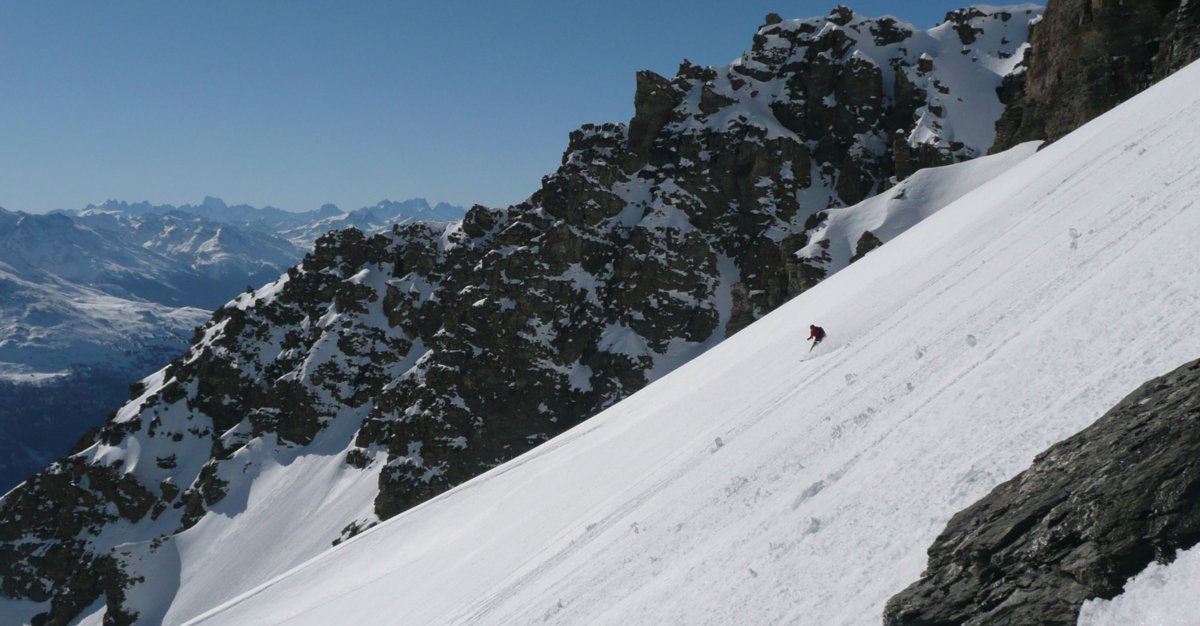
(270, 219)
(417, 358)
(91, 302)
(99, 297)
(43, 248)
(385, 369)
(229, 255)
(52, 326)
(758, 484)
(67, 353)
(374, 219)
(300, 228)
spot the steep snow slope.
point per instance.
(759, 484)
(439, 352)
(239, 547)
(837, 240)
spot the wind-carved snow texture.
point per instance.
(386, 369)
(820, 502)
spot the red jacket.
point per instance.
(817, 333)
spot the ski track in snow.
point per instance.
(746, 487)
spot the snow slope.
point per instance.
(761, 484)
(896, 210)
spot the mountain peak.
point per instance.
(213, 203)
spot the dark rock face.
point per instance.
(442, 351)
(1088, 56)
(866, 243)
(652, 102)
(1181, 38)
(1091, 512)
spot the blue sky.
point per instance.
(301, 102)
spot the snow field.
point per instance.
(758, 484)
(896, 210)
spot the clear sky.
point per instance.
(300, 102)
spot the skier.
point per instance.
(815, 334)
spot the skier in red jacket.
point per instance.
(815, 334)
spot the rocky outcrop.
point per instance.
(441, 351)
(866, 243)
(1087, 56)
(1180, 43)
(1091, 512)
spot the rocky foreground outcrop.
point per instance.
(1088, 56)
(425, 356)
(1091, 512)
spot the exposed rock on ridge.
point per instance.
(1087, 56)
(1091, 512)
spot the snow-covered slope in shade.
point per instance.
(1163, 595)
(761, 484)
(894, 211)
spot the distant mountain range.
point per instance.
(91, 299)
(299, 228)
